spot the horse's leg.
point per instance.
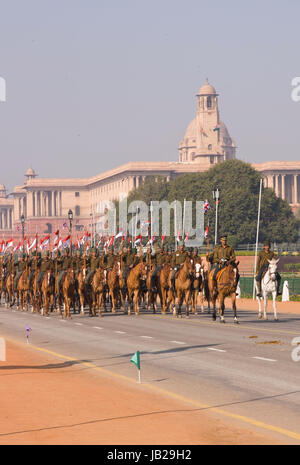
(274, 294)
(136, 301)
(221, 307)
(265, 294)
(233, 301)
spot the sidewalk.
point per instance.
(282, 307)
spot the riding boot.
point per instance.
(258, 289)
(278, 288)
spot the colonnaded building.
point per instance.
(44, 202)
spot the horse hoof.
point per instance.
(259, 316)
(236, 321)
(276, 319)
(222, 320)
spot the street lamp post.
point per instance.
(216, 196)
(70, 216)
(23, 229)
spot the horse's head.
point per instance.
(272, 268)
(143, 271)
(198, 270)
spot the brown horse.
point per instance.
(47, 292)
(163, 285)
(227, 280)
(152, 290)
(68, 292)
(98, 287)
(134, 286)
(113, 283)
(9, 288)
(22, 290)
(183, 287)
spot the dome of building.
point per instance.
(2, 187)
(30, 172)
(207, 89)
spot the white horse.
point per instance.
(268, 286)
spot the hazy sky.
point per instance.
(93, 84)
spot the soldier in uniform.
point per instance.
(221, 255)
(110, 259)
(45, 265)
(178, 260)
(20, 267)
(262, 265)
(93, 264)
(65, 263)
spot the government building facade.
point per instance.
(44, 203)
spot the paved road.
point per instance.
(244, 369)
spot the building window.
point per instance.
(77, 210)
(77, 194)
(208, 101)
(209, 147)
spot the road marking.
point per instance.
(244, 419)
(147, 337)
(217, 350)
(178, 342)
(97, 327)
(78, 324)
(266, 359)
(120, 332)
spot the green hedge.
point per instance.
(246, 285)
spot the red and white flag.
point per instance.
(56, 238)
(206, 232)
(33, 243)
(66, 242)
(186, 237)
(9, 244)
(44, 242)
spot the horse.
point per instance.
(10, 291)
(46, 292)
(204, 292)
(163, 285)
(268, 286)
(98, 287)
(152, 291)
(227, 280)
(183, 287)
(68, 292)
(134, 285)
(22, 290)
(113, 283)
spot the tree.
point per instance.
(239, 185)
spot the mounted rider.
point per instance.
(177, 262)
(262, 265)
(46, 265)
(20, 267)
(221, 256)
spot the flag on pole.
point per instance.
(56, 238)
(206, 232)
(163, 238)
(217, 128)
(33, 243)
(186, 237)
(206, 206)
(44, 242)
(136, 359)
(178, 236)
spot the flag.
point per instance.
(44, 242)
(65, 226)
(186, 237)
(178, 235)
(33, 244)
(2, 245)
(17, 247)
(206, 206)
(9, 243)
(120, 234)
(136, 359)
(151, 240)
(202, 131)
(163, 238)
(206, 232)
(56, 238)
(137, 239)
(217, 128)
(66, 242)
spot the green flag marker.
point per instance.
(136, 360)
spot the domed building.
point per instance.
(206, 140)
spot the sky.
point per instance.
(93, 84)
